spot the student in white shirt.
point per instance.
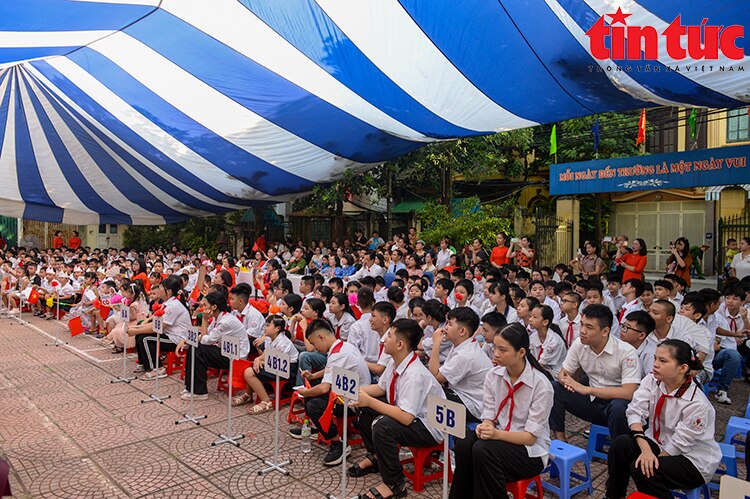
(671, 325)
(634, 329)
(729, 325)
(341, 315)
(208, 354)
(594, 296)
(632, 290)
(512, 443)
(570, 320)
(539, 291)
(175, 320)
(491, 324)
(251, 318)
(369, 268)
(694, 309)
(463, 371)
(678, 450)
(340, 354)
(612, 368)
(546, 342)
(393, 413)
(499, 297)
(383, 315)
(434, 318)
(361, 334)
(614, 292)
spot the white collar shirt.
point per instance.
(253, 321)
(465, 369)
(226, 325)
(616, 365)
(283, 344)
(364, 338)
(551, 353)
(570, 328)
(346, 357)
(176, 320)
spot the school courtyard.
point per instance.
(68, 432)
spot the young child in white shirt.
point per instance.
(546, 342)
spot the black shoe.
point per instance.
(297, 433)
(336, 454)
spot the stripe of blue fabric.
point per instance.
(238, 163)
(64, 15)
(25, 53)
(243, 80)
(692, 13)
(122, 180)
(76, 180)
(132, 139)
(482, 42)
(304, 25)
(158, 181)
(668, 84)
(4, 103)
(30, 184)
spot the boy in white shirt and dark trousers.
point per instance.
(613, 370)
(340, 354)
(393, 413)
(466, 366)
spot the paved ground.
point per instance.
(68, 432)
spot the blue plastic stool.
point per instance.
(736, 426)
(729, 460)
(692, 494)
(598, 438)
(747, 409)
(562, 458)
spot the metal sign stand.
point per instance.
(154, 397)
(192, 340)
(450, 418)
(278, 362)
(230, 348)
(57, 342)
(125, 315)
(346, 384)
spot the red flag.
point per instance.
(641, 128)
(325, 419)
(33, 296)
(76, 326)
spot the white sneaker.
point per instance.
(722, 397)
(151, 376)
(194, 396)
(15, 311)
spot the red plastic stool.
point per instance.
(421, 458)
(173, 363)
(640, 495)
(272, 392)
(238, 377)
(353, 436)
(296, 415)
(520, 489)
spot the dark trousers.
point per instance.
(315, 408)
(453, 397)
(609, 413)
(382, 436)
(205, 356)
(674, 472)
(142, 346)
(483, 467)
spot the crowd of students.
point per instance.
(484, 329)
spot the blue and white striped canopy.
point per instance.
(147, 111)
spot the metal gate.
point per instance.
(553, 239)
(734, 227)
(9, 230)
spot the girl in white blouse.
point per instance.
(678, 450)
(512, 443)
(546, 340)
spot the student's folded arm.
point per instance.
(321, 389)
(392, 411)
(624, 392)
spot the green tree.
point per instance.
(463, 222)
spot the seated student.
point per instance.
(380, 290)
(499, 297)
(678, 286)
(491, 324)
(538, 291)
(570, 321)
(443, 290)
(463, 292)
(383, 315)
(663, 290)
(614, 291)
(340, 354)
(175, 322)
(613, 371)
(678, 450)
(546, 341)
(434, 318)
(393, 413)
(524, 308)
(396, 298)
(632, 290)
(594, 296)
(647, 298)
(251, 318)
(635, 328)
(361, 334)
(289, 307)
(694, 309)
(463, 371)
(416, 307)
(276, 337)
(670, 325)
(208, 353)
(729, 325)
(512, 443)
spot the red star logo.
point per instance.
(619, 17)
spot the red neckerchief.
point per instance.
(509, 397)
(660, 406)
(392, 388)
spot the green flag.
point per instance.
(692, 120)
(553, 141)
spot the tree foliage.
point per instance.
(463, 222)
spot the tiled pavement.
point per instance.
(68, 432)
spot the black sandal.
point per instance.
(357, 471)
(396, 493)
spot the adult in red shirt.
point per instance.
(633, 263)
(501, 254)
(74, 242)
(58, 241)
